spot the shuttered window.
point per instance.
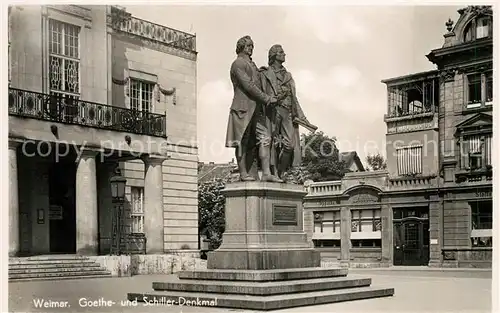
(476, 151)
(409, 160)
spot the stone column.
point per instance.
(435, 231)
(86, 205)
(13, 200)
(153, 204)
(105, 204)
(387, 235)
(345, 236)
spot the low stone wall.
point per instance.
(118, 265)
(359, 258)
(329, 253)
(468, 258)
(144, 264)
(366, 255)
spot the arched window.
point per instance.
(415, 101)
(480, 27)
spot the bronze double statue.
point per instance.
(265, 115)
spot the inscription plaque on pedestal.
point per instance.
(284, 214)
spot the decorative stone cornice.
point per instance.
(120, 81)
(264, 189)
(166, 92)
(477, 10)
(13, 144)
(161, 90)
(75, 10)
(481, 67)
(153, 160)
(447, 75)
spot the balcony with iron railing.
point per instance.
(60, 109)
(400, 114)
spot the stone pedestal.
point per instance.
(264, 229)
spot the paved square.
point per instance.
(415, 291)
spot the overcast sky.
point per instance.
(337, 56)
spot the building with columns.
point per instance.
(93, 89)
(433, 204)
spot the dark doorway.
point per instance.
(411, 236)
(62, 211)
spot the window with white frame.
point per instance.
(481, 223)
(137, 212)
(327, 222)
(64, 59)
(479, 89)
(480, 27)
(409, 160)
(366, 227)
(476, 151)
(489, 88)
(141, 95)
(327, 229)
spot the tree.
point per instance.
(320, 160)
(376, 162)
(211, 204)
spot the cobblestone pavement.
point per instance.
(415, 291)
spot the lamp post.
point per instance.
(117, 183)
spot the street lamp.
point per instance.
(118, 183)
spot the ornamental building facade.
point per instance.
(93, 89)
(433, 205)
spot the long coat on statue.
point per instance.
(247, 95)
(271, 85)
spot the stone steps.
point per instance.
(272, 302)
(266, 275)
(42, 265)
(43, 278)
(261, 289)
(54, 268)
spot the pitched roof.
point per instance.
(350, 158)
(211, 171)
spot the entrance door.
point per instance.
(411, 239)
(62, 211)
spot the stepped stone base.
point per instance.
(264, 276)
(260, 290)
(265, 261)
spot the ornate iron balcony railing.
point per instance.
(61, 109)
(413, 112)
